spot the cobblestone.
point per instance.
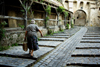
(60, 55)
(87, 53)
(52, 39)
(91, 38)
(62, 51)
(18, 51)
(84, 60)
(90, 41)
(60, 36)
(49, 43)
(88, 45)
(15, 62)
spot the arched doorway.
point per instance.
(80, 18)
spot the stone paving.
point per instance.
(87, 53)
(71, 52)
(58, 56)
(90, 41)
(90, 38)
(49, 43)
(85, 61)
(52, 39)
(18, 51)
(88, 46)
(60, 36)
(15, 62)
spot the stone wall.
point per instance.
(80, 18)
(16, 35)
(94, 21)
(12, 37)
(14, 17)
(89, 7)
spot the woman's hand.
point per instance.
(41, 35)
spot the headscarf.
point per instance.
(32, 21)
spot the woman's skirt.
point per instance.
(32, 43)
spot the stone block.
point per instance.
(18, 51)
(53, 28)
(90, 38)
(15, 62)
(49, 43)
(90, 41)
(58, 36)
(43, 30)
(61, 34)
(86, 52)
(83, 61)
(52, 39)
(88, 46)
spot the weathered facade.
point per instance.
(82, 12)
(12, 14)
(85, 12)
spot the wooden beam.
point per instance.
(13, 6)
(52, 19)
(11, 17)
(20, 18)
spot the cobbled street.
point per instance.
(75, 47)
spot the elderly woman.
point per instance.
(31, 34)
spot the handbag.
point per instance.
(24, 46)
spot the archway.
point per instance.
(80, 18)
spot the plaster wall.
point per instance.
(74, 6)
(94, 21)
(89, 7)
(12, 22)
(80, 18)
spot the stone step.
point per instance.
(61, 34)
(86, 53)
(90, 41)
(91, 38)
(52, 39)
(92, 34)
(57, 36)
(15, 62)
(49, 43)
(17, 51)
(88, 46)
(84, 61)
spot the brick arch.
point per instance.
(80, 17)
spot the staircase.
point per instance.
(87, 52)
(16, 57)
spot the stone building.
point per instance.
(81, 12)
(85, 12)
